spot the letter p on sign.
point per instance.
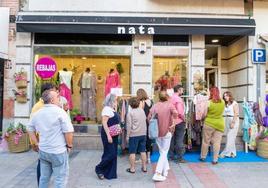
(259, 55)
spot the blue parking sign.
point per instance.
(259, 56)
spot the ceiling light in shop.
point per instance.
(93, 66)
(215, 40)
(84, 58)
(113, 62)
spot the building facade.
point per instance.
(148, 39)
(8, 12)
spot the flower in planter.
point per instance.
(18, 130)
(79, 118)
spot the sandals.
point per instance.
(129, 171)
(143, 170)
(100, 176)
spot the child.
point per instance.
(136, 134)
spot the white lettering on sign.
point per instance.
(133, 30)
(46, 67)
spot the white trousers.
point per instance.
(231, 136)
(163, 143)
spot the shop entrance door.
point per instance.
(212, 78)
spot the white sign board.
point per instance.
(4, 28)
(117, 91)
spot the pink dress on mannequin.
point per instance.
(65, 86)
(112, 81)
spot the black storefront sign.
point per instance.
(135, 25)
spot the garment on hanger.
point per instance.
(65, 78)
(112, 81)
(201, 105)
(248, 122)
(87, 83)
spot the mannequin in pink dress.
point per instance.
(65, 78)
(112, 81)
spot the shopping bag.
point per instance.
(153, 127)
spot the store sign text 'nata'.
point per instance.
(45, 67)
(135, 30)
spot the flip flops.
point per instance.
(143, 170)
(129, 171)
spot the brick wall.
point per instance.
(12, 4)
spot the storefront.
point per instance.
(145, 51)
(4, 25)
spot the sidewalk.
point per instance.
(19, 170)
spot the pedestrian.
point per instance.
(107, 168)
(44, 87)
(55, 141)
(146, 104)
(177, 147)
(166, 113)
(214, 126)
(136, 134)
(231, 114)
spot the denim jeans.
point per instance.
(56, 164)
(177, 146)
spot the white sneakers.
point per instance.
(158, 177)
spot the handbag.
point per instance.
(115, 130)
(153, 127)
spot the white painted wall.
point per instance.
(175, 6)
(4, 28)
(260, 14)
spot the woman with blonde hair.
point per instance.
(231, 114)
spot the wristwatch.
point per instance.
(69, 147)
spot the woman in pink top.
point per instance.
(166, 113)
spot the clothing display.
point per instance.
(87, 84)
(248, 122)
(123, 111)
(112, 81)
(65, 78)
(201, 104)
(229, 114)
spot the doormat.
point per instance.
(193, 157)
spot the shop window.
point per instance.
(171, 40)
(99, 66)
(168, 72)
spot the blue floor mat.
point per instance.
(241, 157)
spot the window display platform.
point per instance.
(91, 129)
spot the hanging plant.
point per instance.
(119, 68)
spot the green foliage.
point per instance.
(38, 83)
(74, 112)
(119, 68)
(15, 128)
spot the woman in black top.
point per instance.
(146, 104)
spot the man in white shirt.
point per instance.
(54, 126)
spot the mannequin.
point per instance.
(88, 88)
(65, 79)
(112, 81)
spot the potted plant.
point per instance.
(17, 138)
(77, 116)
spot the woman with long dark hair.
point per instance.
(146, 104)
(231, 114)
(214, 125)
